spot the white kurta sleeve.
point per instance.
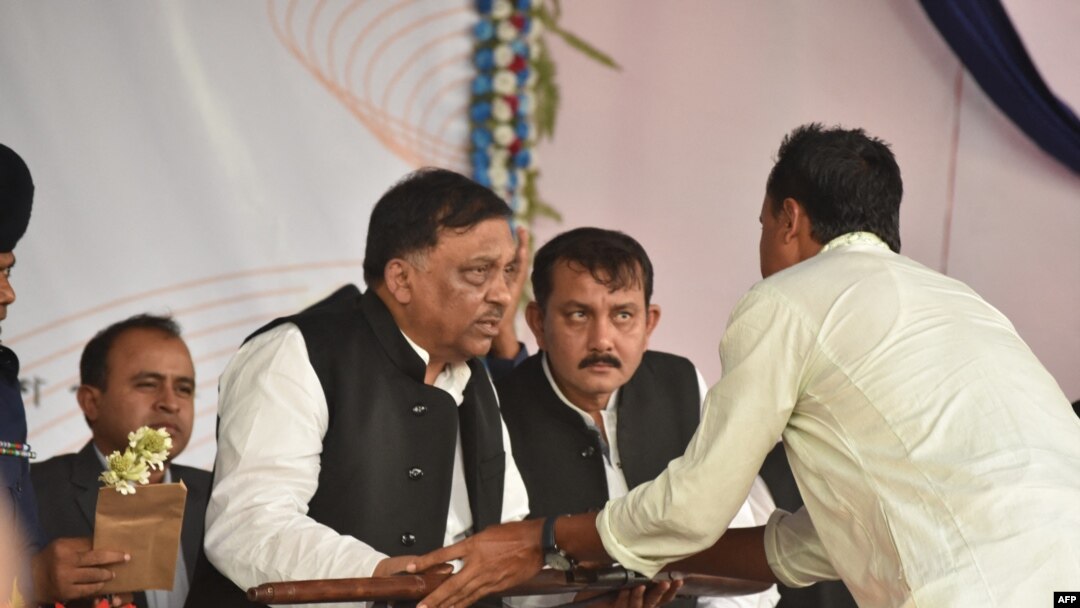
(795, 552)
(688, 507)
(273, 417)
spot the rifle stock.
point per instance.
(412, 587)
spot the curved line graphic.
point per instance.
(178, 287)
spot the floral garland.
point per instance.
(515, 98)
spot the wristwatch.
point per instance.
(554, 557)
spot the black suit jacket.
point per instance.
(67, 490)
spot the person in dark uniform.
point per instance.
(66, 568)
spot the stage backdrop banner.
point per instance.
(213, 160)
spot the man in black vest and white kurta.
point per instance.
(595, 413)
(363, 428)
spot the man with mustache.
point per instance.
(595, 413)
(136, 372)
(364, 428)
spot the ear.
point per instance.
(534, 318)
(792, 217)
(397, 276)
(89, 398)
(652, 319)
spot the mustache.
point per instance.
(600, 359)
(494, 314)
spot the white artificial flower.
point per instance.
(504, 135)
(501, 9)
(504, 55)
(499, 177)
(536, 29)
(499, 155)
(504, 82)
(501, 110)
(506, 31)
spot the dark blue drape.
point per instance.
(983, 37)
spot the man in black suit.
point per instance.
(134, 373)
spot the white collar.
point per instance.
(453, 378)
(854, 238)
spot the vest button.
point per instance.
(416, 473)
(588, 452)
(408, 539)
(419, 409)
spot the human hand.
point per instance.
(398, 565)
(70, 568)
(641, 596)
(495, 559)
(505, 343)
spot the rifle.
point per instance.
(413, 587)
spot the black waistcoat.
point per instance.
(561, 459)
(388, 453)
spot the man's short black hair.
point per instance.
(407, 219)
(613, 258)
(93, 366)
(846, 180)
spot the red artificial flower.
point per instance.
(514, 146)
(519, 21)
(517, 64)
(513, 101)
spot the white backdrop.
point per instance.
(219, 159)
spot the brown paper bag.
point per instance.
(146, 525)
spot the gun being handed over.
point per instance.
(413, 587)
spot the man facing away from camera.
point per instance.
(938, 459)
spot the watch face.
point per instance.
(557, 560)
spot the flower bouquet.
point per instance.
(142, 519)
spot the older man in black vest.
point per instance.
(595, 414)
(363, 427)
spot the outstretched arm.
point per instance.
(503, 556)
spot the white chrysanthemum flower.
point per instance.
(504, 55)
(124, 469)
(504, 82)
(151, 445)
(501, 110)
(501, 9)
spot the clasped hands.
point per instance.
(502, 557)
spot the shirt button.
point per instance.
(588, 452)
(416, 473)
(419, 409)
(408, 539)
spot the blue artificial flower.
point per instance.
(484, 6)
(484, 30)
(523, 105)
(481, 137)
(480, 111)
(512, 180)
(520, 48)
(524, 5)
(526, 25)
(480, 159)
(522, 129)
(521, 159)
(522, 76)
(484, 59)
(480, 176)
(481, 85)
